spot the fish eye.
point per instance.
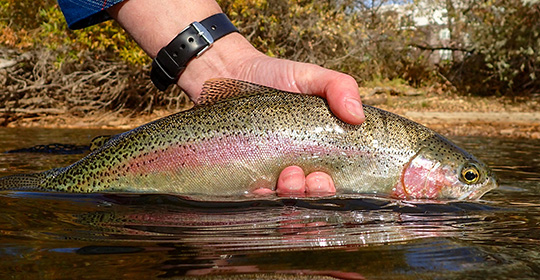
(470, 175)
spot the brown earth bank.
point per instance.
(449, 114)
(36, 92)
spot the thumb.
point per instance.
(340, 90)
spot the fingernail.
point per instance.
(354, 107)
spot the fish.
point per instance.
(242, 135)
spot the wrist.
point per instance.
(153, 25)
(189, 44)
(227, 58)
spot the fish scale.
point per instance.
(228, 147)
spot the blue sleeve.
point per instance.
(83, 13)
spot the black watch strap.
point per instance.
(195, 39)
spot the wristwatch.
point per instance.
(193, 41)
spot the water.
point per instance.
(73, 236)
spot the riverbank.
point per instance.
(449, 114)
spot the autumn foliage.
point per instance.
(495, 49)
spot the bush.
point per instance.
(503, 39)
(361, 39)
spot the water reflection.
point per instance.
(55, 235)
(171, 235)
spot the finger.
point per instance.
(344, 100)
(262, 192)
(340, 90)
(292, 181)
(320, 184)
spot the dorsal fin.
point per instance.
(218, 89)
(99, 141)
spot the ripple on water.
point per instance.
(54, 235)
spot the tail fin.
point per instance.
(32, 181)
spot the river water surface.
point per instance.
(130, 236)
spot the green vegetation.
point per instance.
(502, 43)
(494, 45)
(37, 24)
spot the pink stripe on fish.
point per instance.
(222, 150)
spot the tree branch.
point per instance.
(436, 48)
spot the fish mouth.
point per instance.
(478, 193)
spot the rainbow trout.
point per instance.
(226, 148)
